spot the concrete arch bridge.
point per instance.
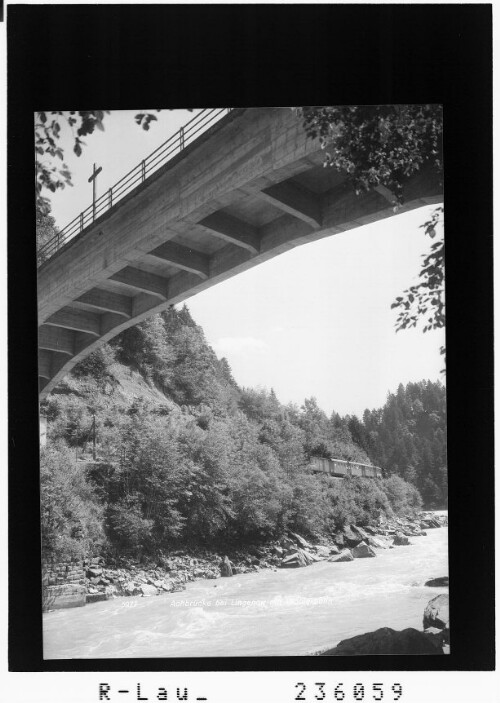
(250, 187)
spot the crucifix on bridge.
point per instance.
(92, 180)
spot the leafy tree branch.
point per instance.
(425, 302)
(377, 145)
(52, 173)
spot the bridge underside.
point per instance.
(250, 188)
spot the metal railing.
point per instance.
(165, 152)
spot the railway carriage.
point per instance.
(340, 468)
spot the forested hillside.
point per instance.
(408, 438)
(186, 457)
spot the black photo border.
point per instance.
(128, 56)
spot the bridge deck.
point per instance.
(252, 187)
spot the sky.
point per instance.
(315, 321)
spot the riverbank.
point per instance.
(273, 612)
(107, 580)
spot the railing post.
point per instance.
(111, 197)
(181, 139)
(81, 222)
(143, 165)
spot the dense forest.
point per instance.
(408, 438)
(186, 457)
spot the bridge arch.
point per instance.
(250, 188)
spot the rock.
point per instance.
(95, 597)
(362, 551)
(226, 567)
(292, 561)
(436, 583)
(352, 538)
(287, 543)
(377, 542)
(359, 531)
(340, 541)
(438, 637)
(433, 631)
(323, 552)
(345, 555)
(278, 551)
(299, 557)
(437, 612)
(309, 557)
(130, 589)
(300, 541)
(400, 540)
(429, 523)
(148, 590)
(386, 641)
(94, 571)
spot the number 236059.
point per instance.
(340, 692)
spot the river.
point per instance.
(271, 613)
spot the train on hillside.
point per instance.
(340, 468)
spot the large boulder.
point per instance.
(386, 641)
(400, 540)
(352, 538)
(359, 531)
(345, 555)
(429, 523)
(111, 591)
(300, 541)
(287, 543)
(439, 637)
(148, 590)
(323, 552)
(438, 582)
(301, 557)
(437, 612)
(377, 542)
(340, 541)
(130, 589)
(226, 568)
(294, 560)
(362, 551)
